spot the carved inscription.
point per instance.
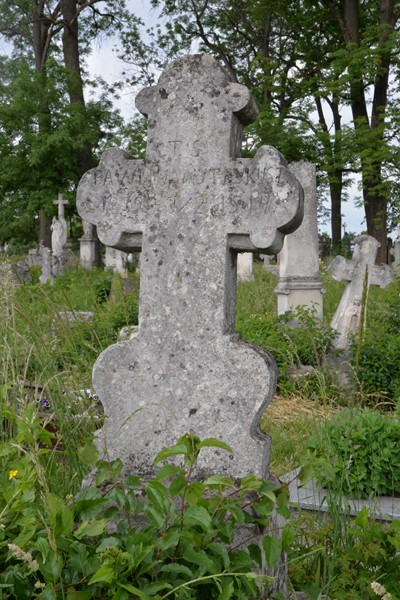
(213, 192)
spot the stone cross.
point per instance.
(61, 202)
(299, 279)
(189, 207)
(346, 319)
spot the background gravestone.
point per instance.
(346, 319)
(189, 207)
(299, 279)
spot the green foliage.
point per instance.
(360, 452)
(294, 339)
(343, 557)
(171, 536)
(377, 370)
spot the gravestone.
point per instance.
(299, 279)
(46, 264)
(245, 266)
(189, 207)
(116, 260)
(89, 247)
(346, 319)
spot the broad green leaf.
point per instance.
(288, 536)
(200, 558)
(171, 451)
(157, 494)
(76, 595)
(227, 589)
(169, 471)
(220, 480)
(197, 515)
(105, 573)
(91, 528)
(272, 549)
(214, 443)
(134, 590)
(305, 475)
(177, 568)
(88, 454)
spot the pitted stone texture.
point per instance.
(299, 279)
(189, 207)
(346, 319)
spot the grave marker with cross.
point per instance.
(347, 316)
(61, 202)
(189, 207)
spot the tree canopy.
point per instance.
(324, 73)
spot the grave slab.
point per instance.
(189, 207)
(313, 497)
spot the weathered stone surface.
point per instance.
(346, 319)
(189, 207)
(299, 279)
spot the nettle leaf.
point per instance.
(197, 515)
(177, 486)
(272, 549)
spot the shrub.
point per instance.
(168, 537)
(362, 452)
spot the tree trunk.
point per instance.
(70, 40)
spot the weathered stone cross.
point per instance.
(347, 318)
(189, 207)
(61, 202)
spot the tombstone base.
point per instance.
(294, 292)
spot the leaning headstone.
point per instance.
(299, 279)
(189, 211)
(346, 319)
(245, 266)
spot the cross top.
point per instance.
(61, 202)
(190, 123)
(189, 207)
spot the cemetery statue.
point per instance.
(58, 236)
(189, 207)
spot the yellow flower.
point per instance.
(13, 473)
